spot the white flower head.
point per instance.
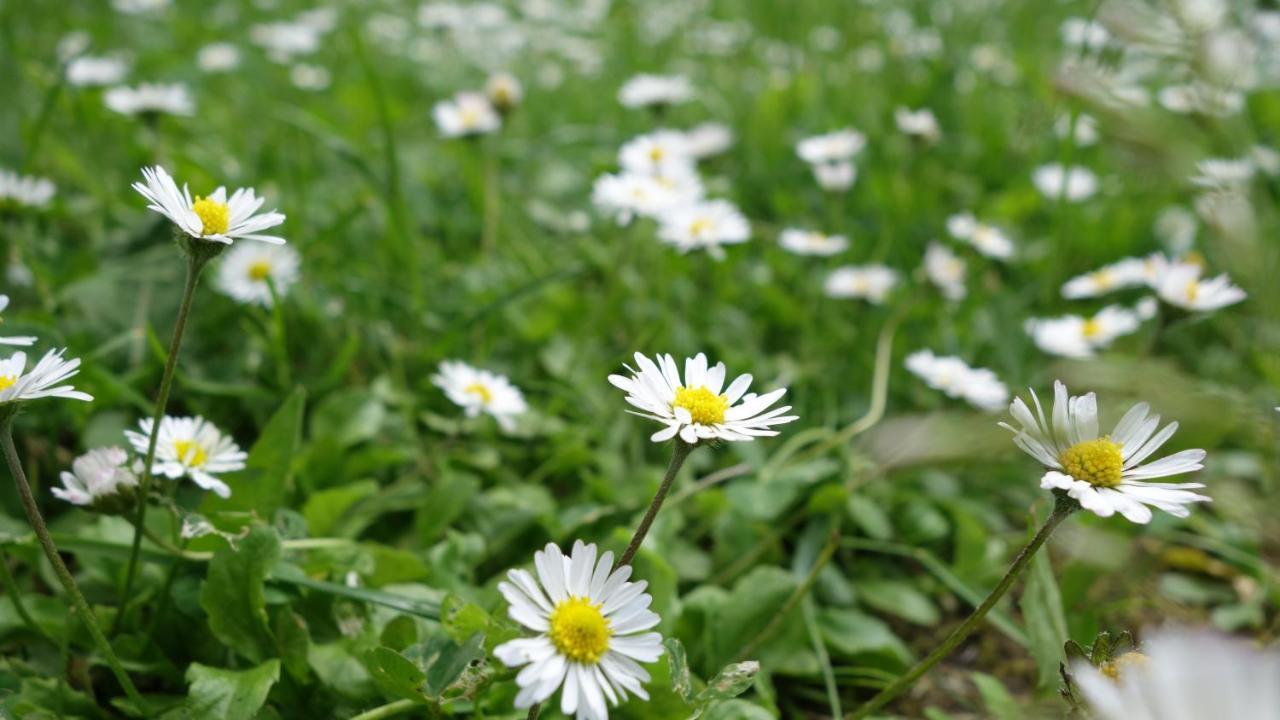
(25, 190)
(22, 340)
(1072, 184)
(1185, 673)
(986, 239)
(1201, 98)
(93, 71)
(466, 114)
(1075, 336)
(218, 57)
(810, 242)
(626, 195)
(1085, 132)
(835, 176)
(979, 387)
(594, 628)
(18, 384)
(1223, 174)
(1105, 474)
(504, 91)
(190, 446)
(662, 152)
(215, 218)
(96, 476)
(306, 76)
(480, 391)
(655, 90)
(284, 41)
(247, 268)
(917, 123)
(1180, 285)
(1078, 32)
(150, 99)
(832, 147)
(704, 226)
(699, 407)
(1125, 273)
(139, 7)
(946, 270)
(707, 139)
(865, 282)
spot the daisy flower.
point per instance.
(283, 41)
(918, 123)
(504, 91)
(655, 91)
(215, 218)
(707, 139)
(1222, 173)
(832, 147)
(1179, 284)
(1079, 32)
(25, 190)
(986, 239)
(591, 625)
(946, 270)
(809, 242)
(695, 408)
(662, 152)
(190, 446)
(15, 340)
(978, 386)
(835, 176)
(96, 476)
(1201, 98)
(867, 282)
(1073, 183)
(1079, 337)
(218, 57)
(90, 71)
(1105, 474)
(150, 99)
(466, 114)
(704, 225)
(1085, 133)
(246, 269)
(1125, 273)
(41, 380)
(1184, 673)
(477, 391)
(625, 195)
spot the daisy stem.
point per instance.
(489, 236)
(385, 711)
(678, 455)
(80, 605)
(195, 263)
(1063, 506)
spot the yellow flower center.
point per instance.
(214, 216)
(485, 395)
(656, 153)
(579, 630)
(1193, 290)
(700, 226)
(191, 452)
(1091, 328)
(1097, 462)
(1103, 279)
(1116, 669)
(259, 271)
(470, 117)
(7, 381)
(704, 406)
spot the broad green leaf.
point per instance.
(870, 518)
(261, 486)
(218, 694)
(400, 633)
(396, 675)
(999, 703)
(852, 633)
(444, 502)
(899, 598)
(446, 660)
(324, 509)
(232, 594)
(292, 642)
(1041, 606)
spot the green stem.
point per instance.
(59, 567)
(678, 455)
(799, 594)
(534, 712)
(195, 263)
(1063, 506)
(492, 198)
(385, 711)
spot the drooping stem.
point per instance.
(678, 455)
(80, 605)
(1063, 506)
(195, 263)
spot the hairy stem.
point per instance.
(678, 455)
(385, 711)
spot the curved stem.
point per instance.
(678, 455)
(80, 605)
(385, 711)
(195, 263)
(1063, 506)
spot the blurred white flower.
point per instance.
(1184, 673)
(809, 242)
(655, 90)
(481, 391)
(591, 624)
(22, 340)
(1179, 284)
(247, 267)
(832, 147)
(1265, 159)
(835, 176)
(1085, 133)
(467, 113)
(1176, 227)
(139, 7)
(626, 195)
(190, 446)
(1079, 32)
(309, 77)
(1200, 98)
(1124, 273)
(25, 190)
(90, 71)
(504, 91)
(661, 152)
(704, 225)
(1073, 183)
(695, 408)
(977, 386)
(1079, 337)
(284, 41)
(707, 139)
(218, 57)
(918, 123)
(1199, 16)
(986, 239)
(946, 270)
(18, 384)
(1105, 474)
(149, 99)
(215, 218)
(866, 282)
(1223, 173)
(97, 475)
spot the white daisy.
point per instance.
(504, 91)
(986, 239)
(467, 113)
(25, 190)
(91, 71)
(946, 270)
(1105, 474)
(1085, 133)
(979, 387)
(626, 195)
(218, 57)
(246, 268)
(215, 218)
(1079, 32)
(22, 340)
(305, 76)
(139, 7)
(1189, 674)
(1176, 227)
(284, 41)
(1179, 284)
(477, 391)
(662, 153)
(809, 242)
(704, 226)
(707, 139)
(591, 623)
(150, 99)
(41, 380)
(1075, 336)
(917, 123)
(834, 176)
(695, 408)
(97, 475)
(190, 446)
(1073, 183)
(867, 282)
(655, 90)
(832, 147)
(1223, 173)
(1125, 273)
(1201, 98)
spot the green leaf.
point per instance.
(446, 660)
(999, 703)
(901, 599)
(1041, 605)
(869, 517)
(678, 664)
(324, 509)
(853, 633)
(400, 633)
(730, 682)
(261, 486)
(218, 694)
(737, 710)
(292, 642)
(396, 674)
(443, 503)
(232, 594)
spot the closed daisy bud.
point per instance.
(100, 478)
